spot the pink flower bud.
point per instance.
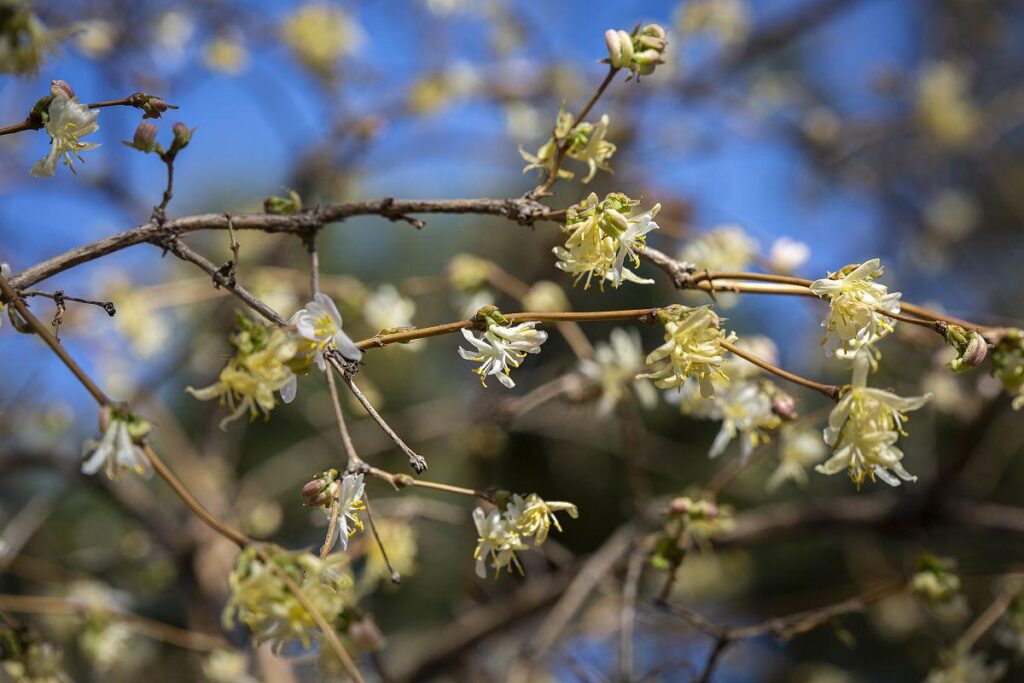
(61, 89)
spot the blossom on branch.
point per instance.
(584, 141)
(863, 429)
(857, 306)
(119, 448)
(614, 369)
(501, 347)
(66, 121)
(502, 532)
(260, 366)
(603, 236)
(692, 348)
(320, 323)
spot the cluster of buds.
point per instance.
(25, 657)
(152, 107)
(320, 491)
(640, 51)
(582, 141)
(971, 348)
(145, 140)
(690, 523)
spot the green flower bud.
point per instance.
(971, 348)
(283, 206)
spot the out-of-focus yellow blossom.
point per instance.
(799, 449)
(227, 666)
(24, 39)
(746, 411)
(545, 295)
(320, 34)
(857, 306)
(587, 144)
(728, 21)
(261, 600)
(468, 273)
(944, 105)
(936, 583)
(726, 247)
(952, 214)
(603, 236)
(226, 54)
(614, 368)
(863, 429)
(260, 366)
(399, 539)
(29, 660)
(692, 348)
(107, 643)
(966, 667)
(96, 37)
(385, 309)
(1008, 364)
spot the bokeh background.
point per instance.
(864, 128)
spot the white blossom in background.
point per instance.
(501, 348)
(227, 666)
(95, 38)
(66, 122)
(614, 367)
(692, 348)
(728, 21)
(727, 247)
(945, 108)
(320, 323)
(319, 34)
(856, 305)
(386, 309)
(118, 449)
(786, 255)
(863, 429)
(799, 449)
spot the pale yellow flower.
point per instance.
(857, 306)
(692, 348)
(320, 34)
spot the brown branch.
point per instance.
(829, 390)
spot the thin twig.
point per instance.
(396, 578)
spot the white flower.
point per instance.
(350, 503)
(497, 540)
(67, 122)
(786, 255)
(863, 429)
(614, 366)
(501, 348)
(798, 450)
(320, 323)
(692, 348)
(387, 309)
(856, 305)
(945, 108)
(746, 412)
(632, 241)
(117, 450)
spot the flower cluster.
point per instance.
(798, 450)
(261, 365)
(613, 369)
(501, 347)
(857, 306)
(66, 121)
(118, 449)
(584, 142)
(863, 429)
(692, 348)
(690, 523)
(603, 236)
(261, 600)
(966, 667)
(503, 532)
(28, 659)
(640, 51)
(325, 487)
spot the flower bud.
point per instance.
(680, 506)
(784, 405)
(320, 491)
(153, 108)
(145, 138)
(654, 31)
(61, 89)
(970, 346)
(613, 223)
(182, 134)
(614, 44)
(283, 205)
